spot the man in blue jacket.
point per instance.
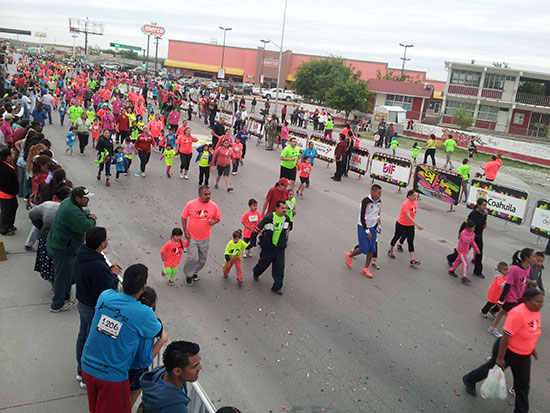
(92, 276)
(165, 387)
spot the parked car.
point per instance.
(256, 90)
(111, 66)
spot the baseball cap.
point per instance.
(8, 116)
(283, 181)
(82, 192)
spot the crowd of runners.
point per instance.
(120, 116)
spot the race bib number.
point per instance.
(252, 218)
(109, 327)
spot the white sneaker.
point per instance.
(250, 253)
(79, 378)
(244, 254)
(233, 173)
(494, 332)
(181, 176)
(185, 177)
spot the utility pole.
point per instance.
(157, 38)
(147, 57)
(262, 71)
(280, 60)
(225, 30)
(404, 58)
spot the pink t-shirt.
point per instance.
(185, 143)
(408, 206)
(517, 279)
(174, 118)
(523, 326)
(199, 213)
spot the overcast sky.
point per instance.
(458, 30)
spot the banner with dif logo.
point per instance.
(506, 203)
(438, 183)
(359, 160)
(391, 169)
(255, 126)
(540, 223)
(325, 147)
(301, 138)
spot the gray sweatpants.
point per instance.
(197, 252)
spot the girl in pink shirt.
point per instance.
(465, 242)
(222, 158)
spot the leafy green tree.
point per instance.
(317, 76)
(348, 95)
(464, 117)
(391, 75)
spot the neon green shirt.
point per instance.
(204, 159)
(464, 170)
(394, 144)
(75, 112)
(290, 152)
(91, 115)
(329, 125)
(450, 145)
(169, 157)
(277, 228)
(290, 205)
(415, 151)
(235, 249)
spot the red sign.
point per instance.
(271, 62)
(154, 30)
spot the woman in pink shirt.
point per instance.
(108, 121)
(184, 145)
(284, 134)
(223, 156)
(155, 125)
(174, 118)
(404, 228)
(491, 168)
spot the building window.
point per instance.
(434, 106)
(397, 100)
(511, 78)
(465, 78)
(494, 81)
(453, 105)
(488, 113)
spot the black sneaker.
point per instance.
(279, 292)
(196, 277)
(256, 277)
(189, 281)
(453, 274)
(449, 261)
(484, 315)
(479, 275)
(466, 281)
(470, 387)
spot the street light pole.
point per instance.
(262, 71)
(404, 58)
(280, 59)
(225, 30)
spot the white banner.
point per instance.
(255, 127)
(391, 171)
(358, 162)
(540, 224)
(499, 202)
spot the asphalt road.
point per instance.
(336, 340)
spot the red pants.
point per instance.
(228, 264)
(107, 396)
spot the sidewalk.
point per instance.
(38, 347)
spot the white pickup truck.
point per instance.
(287, 95)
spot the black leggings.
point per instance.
(127, 164)
(204, 174)
(144, 159)
(521, 371)
(430, 152)
(407, 231)
(185, 159)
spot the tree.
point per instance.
(315, 77)
(391, 75)
(348, 95)
(502, 65)
(464, 117)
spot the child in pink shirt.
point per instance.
(171, 253)
(237, 154)
(465, 242)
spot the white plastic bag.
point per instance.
(494, 386)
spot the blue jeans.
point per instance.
(106, 165)
(86, 317)
(63, 276)
(49, 112)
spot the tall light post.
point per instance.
(225, 30)
(280, 60)
(262, 71)
(404, 58)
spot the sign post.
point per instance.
(506, 203)
(152, 30)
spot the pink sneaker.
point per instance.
(349, 260)
(366, 272)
